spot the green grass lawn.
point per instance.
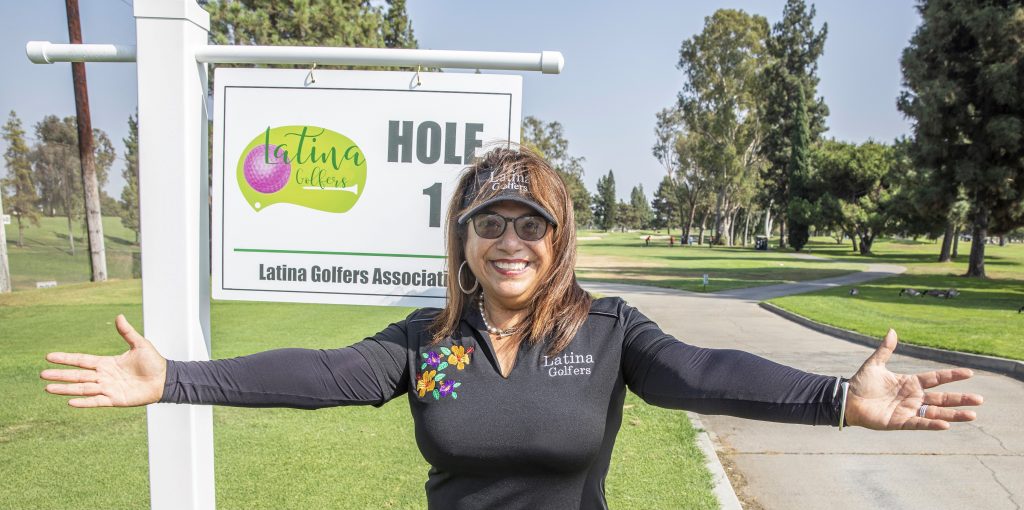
(58, 457)
(622, 258)
(983, 319)
(46, 254)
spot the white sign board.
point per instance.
(7, 219)
(335, 190)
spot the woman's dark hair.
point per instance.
(560, 305)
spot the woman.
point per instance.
(516, 386)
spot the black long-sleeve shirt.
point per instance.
(540, 438)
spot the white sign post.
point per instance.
(173, 197)
(334, 190)
(171, 54)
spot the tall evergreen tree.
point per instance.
(641, 209)
(604, 202)
(664, 205)
(963, 75)
(23, 198)
(398, 27)
(5, 268)
(625, 216)
(924, 204)
(799, 210)
(793, 48)
(130, 192)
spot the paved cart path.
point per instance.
(774, 466)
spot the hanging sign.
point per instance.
(332, 187)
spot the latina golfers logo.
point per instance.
(308, 166)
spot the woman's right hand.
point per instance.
(135, 378)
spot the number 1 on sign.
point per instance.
(434, 192)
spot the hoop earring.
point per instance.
(476, 283)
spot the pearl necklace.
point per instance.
(493, 330)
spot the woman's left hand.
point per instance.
(881, 400)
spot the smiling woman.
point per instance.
(527, 286)
(516, 387)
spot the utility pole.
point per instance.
(5, 271)
(93, 215)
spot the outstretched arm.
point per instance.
(676, 375)
(670, 373)
(300, 378)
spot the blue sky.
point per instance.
(620, 66)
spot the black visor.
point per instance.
(510, 185)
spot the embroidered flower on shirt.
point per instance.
(426, 382)
(448, 388)
(433, 381)
(459, 356)
(434, 359)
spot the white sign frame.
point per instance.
(409, 247)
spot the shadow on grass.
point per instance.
(720, 254)
(64, 248)
(119, 240)
(63, 245)
(780, 259)
(920, 258)
(691, 278)
(974, 294)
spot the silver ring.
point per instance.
(921, 410)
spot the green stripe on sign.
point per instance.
(350, 253)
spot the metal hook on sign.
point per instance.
(310, 78)
(418, 83)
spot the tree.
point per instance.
(692, 183)
(338, 23)
(625, 216)
(676, 149)
(793, 49)
(130, 192)
(719, 104)
(398, 27)
(55, 159)
(924, 204)
(5, 268)
(604, 202)
(664, 205)
(23, 198)
(641, 209)
(548, 139)
(55, 162)
(962, 73)
(799, 209)
(855, 184)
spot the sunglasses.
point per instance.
(528, 227)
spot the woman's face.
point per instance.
(509, 269)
